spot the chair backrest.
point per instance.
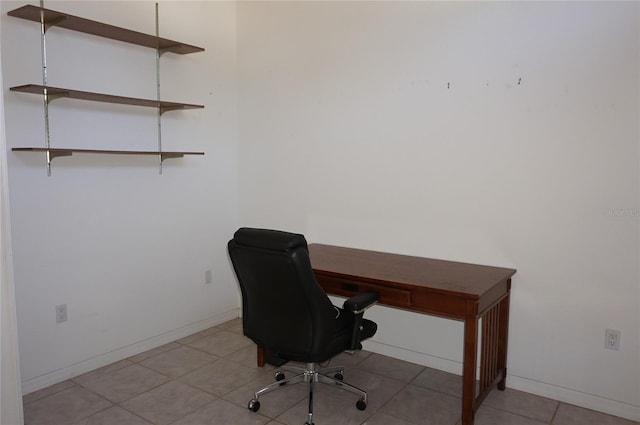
(283, 307)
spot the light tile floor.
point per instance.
(208, 378)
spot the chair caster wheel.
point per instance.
(280, 377)
(361, 404)
(254, 405)
(339, 376)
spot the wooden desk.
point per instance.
(449, 289)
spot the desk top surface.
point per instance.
(404, 270)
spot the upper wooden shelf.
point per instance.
(76, 23)
(57, 92)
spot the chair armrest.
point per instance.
(360, 302)
(357, 305)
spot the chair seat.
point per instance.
(339, 342)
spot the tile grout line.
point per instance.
(555, 413)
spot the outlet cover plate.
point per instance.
(612, 339)
(61, 313)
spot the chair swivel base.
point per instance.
(310, 375)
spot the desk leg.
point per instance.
(503, 334)
(469, 369)
(261, 356)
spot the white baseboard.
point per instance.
(51, 378)
(565, 395)
(423, 359)
(569, 396)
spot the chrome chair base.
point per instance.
(310, 375)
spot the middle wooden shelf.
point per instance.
(58, 92)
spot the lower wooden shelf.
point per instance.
(56, 152)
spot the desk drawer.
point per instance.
(345, 287)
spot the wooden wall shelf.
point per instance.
(87, 26)
(56, 152)
(48, 18)
(57, 92)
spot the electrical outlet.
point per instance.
(612, 339)
(207, 276)
(61, 313)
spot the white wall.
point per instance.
(499, 133)
(11, 411)
(124, 247)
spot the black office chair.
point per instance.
(288, 314)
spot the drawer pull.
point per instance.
(349, 287)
